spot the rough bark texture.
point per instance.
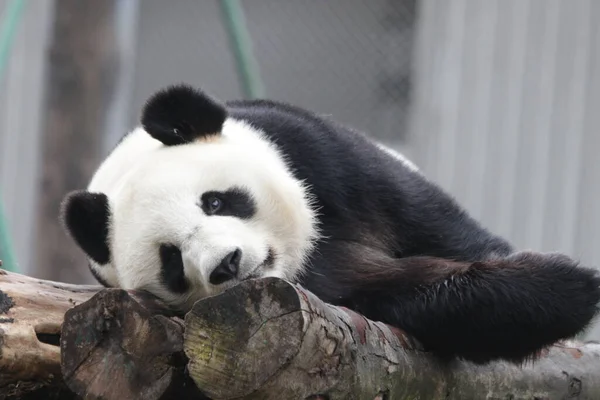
(80, 83)
(268, 339)
(31, 314)
(125, 345)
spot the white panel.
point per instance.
(587, 239)
(505, 117)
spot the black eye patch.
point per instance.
(235, 202)
(171, 270)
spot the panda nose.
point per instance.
(227, 269)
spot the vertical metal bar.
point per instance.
(13, 14)
(241, 44)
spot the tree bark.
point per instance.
(268, 339)
(31, 314)
(80, 83)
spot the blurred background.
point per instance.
(497, 100)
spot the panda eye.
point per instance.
(214, 204)
(234, 202)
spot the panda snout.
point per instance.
(227, 269)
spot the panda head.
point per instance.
(191, 203)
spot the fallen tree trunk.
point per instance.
(268, 339)
(263, 339)
(31, 315)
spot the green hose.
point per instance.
(6, 250)
(239, 38)
(12, 16)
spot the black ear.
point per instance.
(179, 114)
(85, 216)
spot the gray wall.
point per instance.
(505, 116)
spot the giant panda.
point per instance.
(205, 194)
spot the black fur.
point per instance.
(180, 114)
(401, 250)
(85, 216)
(172, 269)
(235, 202)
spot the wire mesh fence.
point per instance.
(348, 58)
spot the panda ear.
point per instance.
(180, 114)
(86, 216)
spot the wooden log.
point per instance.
(268, 339)
(127, 336)
(31, 315)
(125, 345)
(263, 339)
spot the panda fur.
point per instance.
(204, 194)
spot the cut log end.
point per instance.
(230, 361)
(114, 347)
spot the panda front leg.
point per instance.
(507, 309)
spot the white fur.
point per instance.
(154, 193)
